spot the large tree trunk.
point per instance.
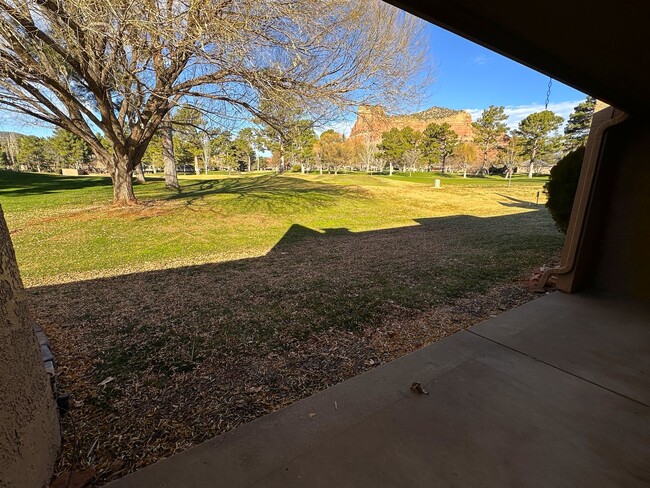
(122, 182)
(139, 174)
(390, 169)
(169, 159)
(281, 168)
(532, 159)
(197, 169)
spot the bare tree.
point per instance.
(368, 153)
(118, 67)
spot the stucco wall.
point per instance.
(29, 431)
(623, 262)
(615, 254)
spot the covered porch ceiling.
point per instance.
(601, 50)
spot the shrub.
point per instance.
(561, 187)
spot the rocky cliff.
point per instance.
(373, 120)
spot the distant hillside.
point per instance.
(5, 135)
(373, 120)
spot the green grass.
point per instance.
(64, 229)
(471, 180)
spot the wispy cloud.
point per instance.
(342, 127)
(516, 113)
(481, 60)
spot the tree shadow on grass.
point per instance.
(311, 280)
(274, 193)
(40, 183)
(517, 203)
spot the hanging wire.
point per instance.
(548, 92)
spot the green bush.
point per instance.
(296, 168)
(561, 187)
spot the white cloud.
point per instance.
(342, 127)
(481, 60)
(516, 113)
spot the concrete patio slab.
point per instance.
(600, 337)
(494, 417)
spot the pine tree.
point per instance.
(490, 128)
(439, 142)
(577, 127)
(536, 134)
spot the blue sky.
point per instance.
(469, 77)
(466, 76)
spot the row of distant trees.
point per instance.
(33, 153)
(295, 145)
(535, 143)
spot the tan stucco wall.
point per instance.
(623, 262)
(615, 252)
(29, 431)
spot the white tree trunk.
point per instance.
(169, 158)
(139, 174)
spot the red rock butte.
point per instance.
(372, 121)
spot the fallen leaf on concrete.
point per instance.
(417, 388)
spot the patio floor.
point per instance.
(555, 393)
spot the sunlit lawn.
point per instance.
(64, 229)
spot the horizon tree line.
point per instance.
(198, 145)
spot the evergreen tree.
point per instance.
(223, 147)
(31, 151)
(245, 147)
(577, 127)
(439, 142)
(489, 131)
(301, 140)
(537, 140)
(190, 131)
(395, 143)
(70, 150)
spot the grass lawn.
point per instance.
(198, 311)
(64, 230)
